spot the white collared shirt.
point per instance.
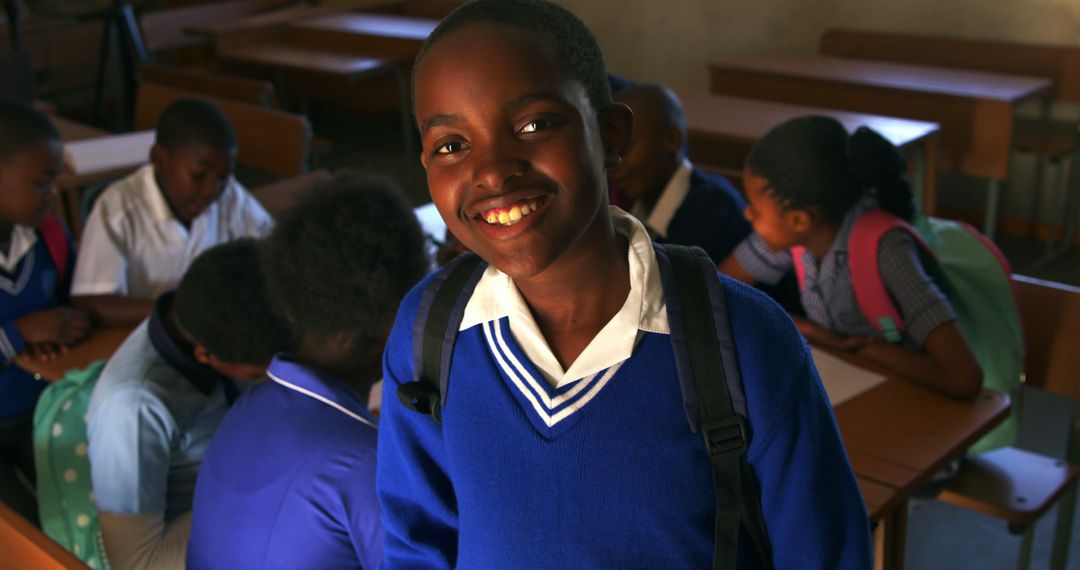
(496, 296)
(132, 244)
(668, 203)
(23, 240)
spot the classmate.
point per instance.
(677, 202)
(289, 479)
(32, 287)
(161, 396)
(807, 182)
(145, 230)
(563, 438)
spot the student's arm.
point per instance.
(814, 513)
(249, 217)
(44, 334)
(145, 542)
(947, 367)
(130, 436)
(415, 492)
(753, 262)
(114, 310)
(100, 285)
(946, 364)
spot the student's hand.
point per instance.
(822, 336)
(45, 351)
(60, 326)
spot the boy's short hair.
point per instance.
(223, 305)
(341, 259)
(190, 122)
(578, 50)
(22, 127)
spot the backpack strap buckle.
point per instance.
(724, 436)
(421, 397)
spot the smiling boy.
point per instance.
(563, 439)
(145, 230)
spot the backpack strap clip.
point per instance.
(724, 436)
(421, 397)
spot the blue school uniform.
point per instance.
(32, 286)
(597, 467)
(289, 479)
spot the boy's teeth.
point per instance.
(510, 216)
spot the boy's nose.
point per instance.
(746, 214)
(495, 167)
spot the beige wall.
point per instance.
(673, 42)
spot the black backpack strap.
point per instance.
(713, 396)
(434, 332)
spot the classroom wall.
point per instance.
(673, 43)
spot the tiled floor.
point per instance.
(940, 537)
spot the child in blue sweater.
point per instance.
(563, 439)
(36, 261)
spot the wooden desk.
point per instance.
(897, 436)
(384, 35)
(71, 131)
(282, 56)
(270, 25)
(974, 109)
(723, 129)
(1060, 64)
(24, 547)
(101, 343)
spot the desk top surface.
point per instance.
(301, 58)
(376, 25)
(898, 76)
(751, 119)
(280, 17)
(101, 343)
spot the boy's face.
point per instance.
(27, 183)
(514, 152)
(192, 177)
(653, 154)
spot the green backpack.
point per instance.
(976, 278)
(65, 493)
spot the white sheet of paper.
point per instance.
(108, 153)
(843, 381)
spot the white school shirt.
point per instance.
(496, 296)
(23, 240)
(671, 197)
(132, 245)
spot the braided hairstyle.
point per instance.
(812, 163)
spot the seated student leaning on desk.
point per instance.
(145, 230)
(36, 260)
(289, 479)
(161, 396)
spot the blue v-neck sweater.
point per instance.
(605, 472)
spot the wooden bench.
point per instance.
(24, 547)
(165, 30)
(1019, 486)
(236, 88)
(267, 139)
(279, 196)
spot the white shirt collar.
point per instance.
(669, 201)
(23, 240)
(496, 296)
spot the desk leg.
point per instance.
(890, 538)
(993, 190)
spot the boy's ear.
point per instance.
(158, 156)
(202, 356)
(616, 128)
(673, 141)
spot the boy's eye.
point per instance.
(536, 125)
(449, 147)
